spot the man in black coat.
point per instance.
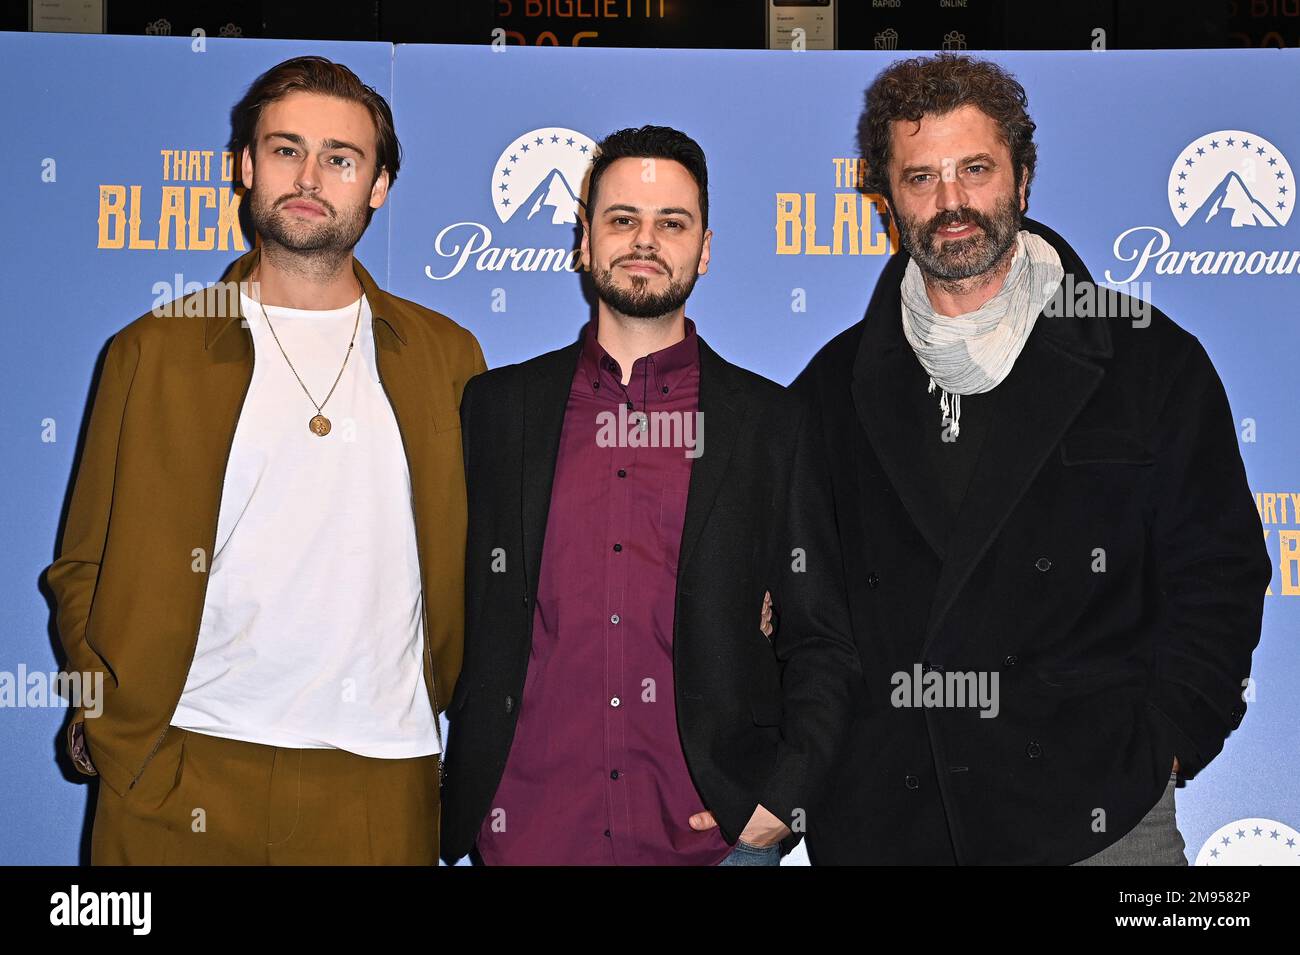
(619, 703)
(1055, 568)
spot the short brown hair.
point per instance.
(651, 142)
(315, 74)
(909, 89)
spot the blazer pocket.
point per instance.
(1085, 680)
(767, 714)
(1104, 447)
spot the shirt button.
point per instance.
(1043, 564)
(1010, 660)
(665, 389)
(622, 472)
(911, 782)
(607, 832)
(873, 581)
(614, 774)
(615, 701)
(614, 618)
(618, 548)
(1033, 750)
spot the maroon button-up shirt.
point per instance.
(596, 774)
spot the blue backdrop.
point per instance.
(120, 197)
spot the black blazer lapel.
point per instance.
(877, 393)
(546, 385)
(884, 367)
(722, 405)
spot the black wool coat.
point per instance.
(1107, 441)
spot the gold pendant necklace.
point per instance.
(319, 425)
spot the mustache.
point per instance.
(964, 214)
(314, 200)
(643, 258)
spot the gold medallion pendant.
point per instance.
(318, 425)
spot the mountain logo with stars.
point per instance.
(1231, 179)
(1252, 842)
(541, 176)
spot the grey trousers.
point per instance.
(1153, 841)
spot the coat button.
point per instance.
(873, 581)
(911, 782)
(1043, 564)
(1235, 716)
(510, 703)
(1033, 750)
(1010, 660)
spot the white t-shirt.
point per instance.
(312, 630)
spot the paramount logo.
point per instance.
(1227, 185)
(477, 246)
(1169, 261)
(537, 188)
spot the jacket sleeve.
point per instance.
(1212, 567)
(814, 642)
(480, 365)
(73, 575)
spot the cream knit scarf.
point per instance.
(972, 353)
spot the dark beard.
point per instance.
(637, 302)
(962, 258)
(325, 243)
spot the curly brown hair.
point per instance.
(909, 89)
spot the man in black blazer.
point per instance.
(618, 702)
(1055, 568)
